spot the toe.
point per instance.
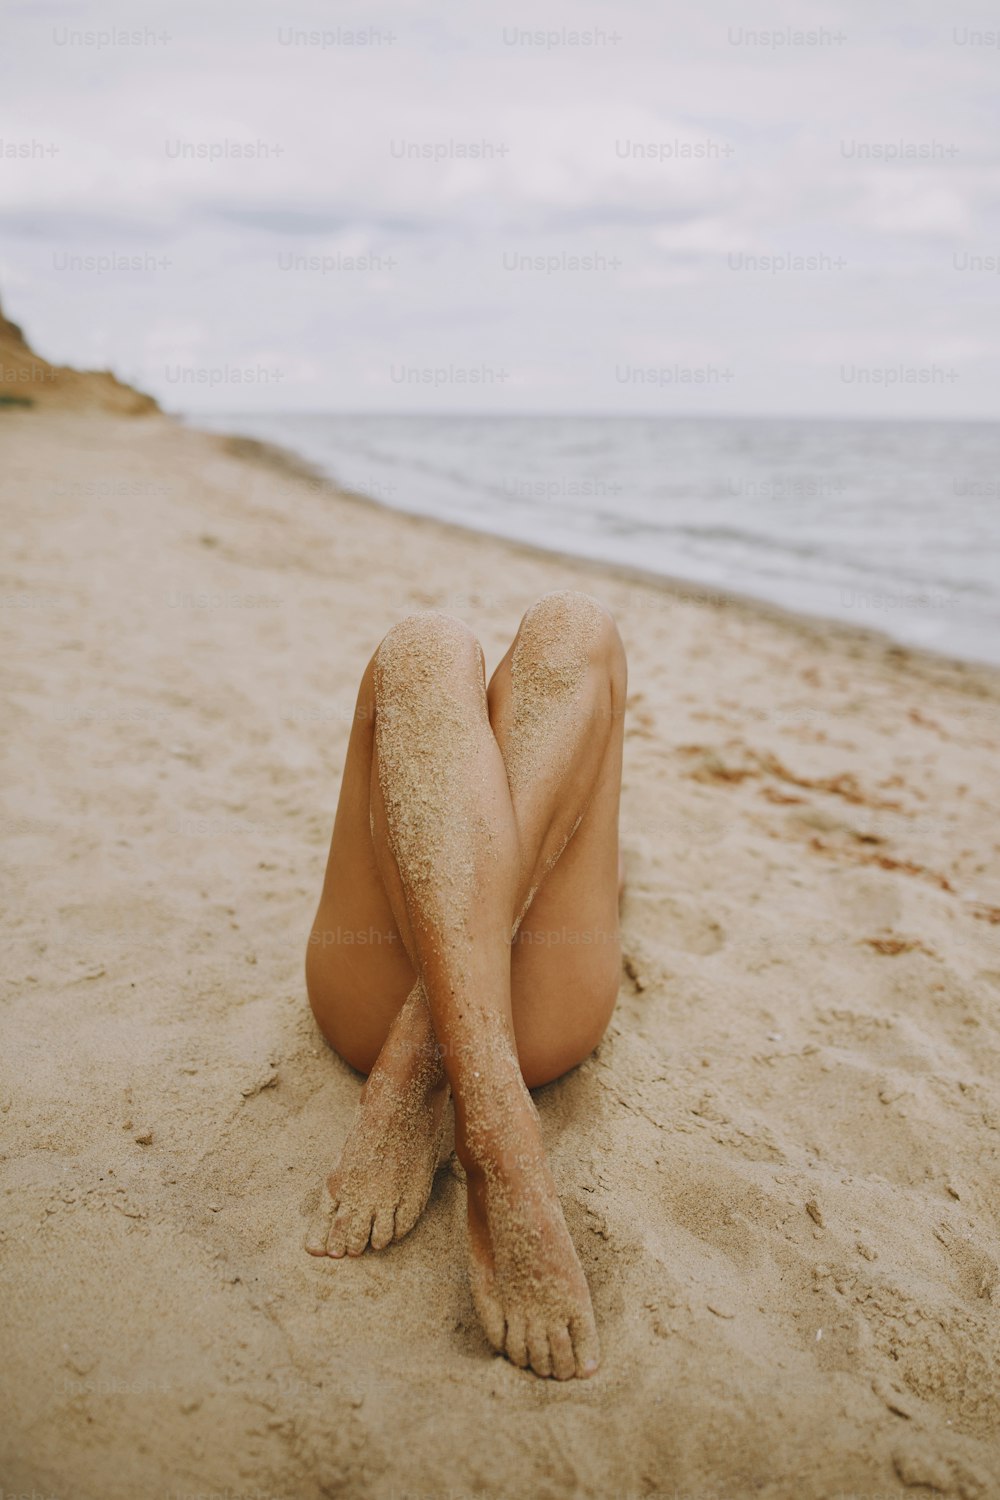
(494, 1324)
(586, 1347)
(407, 1214)
(359, 1232)
(539, 1356)
(384, 1228)
(336, 1244)
(563, 1358)
(487, 1305)
(516, 1347)
(319, 1233)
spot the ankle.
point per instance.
(410, 1054)
(414, 1071)
(497, 1131)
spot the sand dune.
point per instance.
(781, 1167)
(27, 380)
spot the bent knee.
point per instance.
(425, 646)
(562, 623)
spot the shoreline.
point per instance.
(288, 462)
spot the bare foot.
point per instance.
(380, 1186)
(527, 1283)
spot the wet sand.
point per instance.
(781, 1168)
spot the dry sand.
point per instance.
(780, 1168)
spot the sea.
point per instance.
(888, 524)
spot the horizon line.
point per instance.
(579, 413)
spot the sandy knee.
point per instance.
(424, 648)
(568, 621)
(563, 634)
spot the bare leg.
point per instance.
(471, 807)
(461, 864)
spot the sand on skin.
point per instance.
(780, 1168)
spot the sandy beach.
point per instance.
(781, 1168)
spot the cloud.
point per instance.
(568, 193)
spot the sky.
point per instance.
(791, 209)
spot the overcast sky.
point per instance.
(606, 250)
